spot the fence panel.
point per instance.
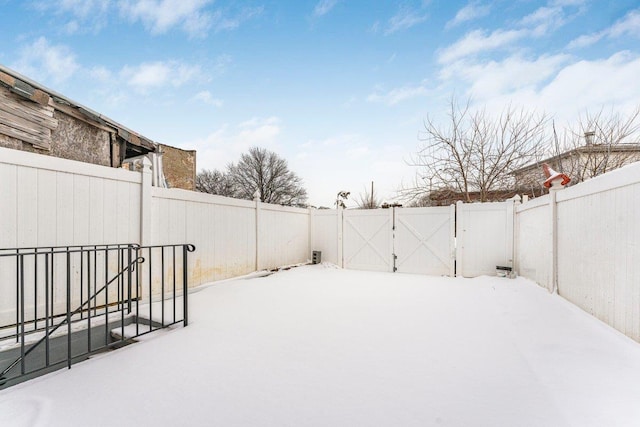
(284, 236)
(46, 202)
(326, 234)
(599, 248)
(222, 229)
(533, 241)
(484, 237)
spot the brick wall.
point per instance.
(179, 167)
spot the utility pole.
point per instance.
(371, 202)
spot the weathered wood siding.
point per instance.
(26, 120)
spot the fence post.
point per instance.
(256, 198)
(452, 240)
(459, 239)
(311, 230)
(553, 204)
(511, 234)
(339, 220)
(517, 201)
(145, 202)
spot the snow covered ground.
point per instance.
(320, 346)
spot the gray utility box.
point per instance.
(316, 257)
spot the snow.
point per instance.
(321, 346)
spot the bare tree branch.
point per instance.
(476, 153)
(264, 171)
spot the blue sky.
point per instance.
(338, 88)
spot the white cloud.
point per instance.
(478, 41)
(564, 3)
(159, 16)
(544, 20)
(330, 165)
(259, 131)
(559, 84)
(222, 22)
(585, 40)
(83, 8)
(44, 61)
(515, 73)
(593, 84)
(101, 74)
(403, 20)
(323, 7)
(225, 144)
(628, 26)
(86, 15)
(472, 11)
(192, 16)
(397, 95)
(152, 75)
(206, 97)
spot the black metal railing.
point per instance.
(74, 301)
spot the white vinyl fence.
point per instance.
(596, 246)
(533, 243)
(424, 240)
(599, 248)
(484, 237)
(326, 234)
(583, 241)
(406, 240)
(368, 239)
(46, 201)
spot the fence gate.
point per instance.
(484, 237)
(409, 240)
(424, 240)
(368, 241)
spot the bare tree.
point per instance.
(476, 153)
(214, 182)
(421, 201)
(368, 199)
(599, 143)
(264, 171)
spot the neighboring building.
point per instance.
(39, 120)
(179, 167)
(446, 197)
(579, 164)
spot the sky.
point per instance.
(338, 88)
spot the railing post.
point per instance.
(22, 349)
(129, 278)
(185, 286)
(68, 309)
